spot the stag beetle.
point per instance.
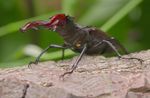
(83, 39)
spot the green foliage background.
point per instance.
(126, 20)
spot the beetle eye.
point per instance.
(70, 17)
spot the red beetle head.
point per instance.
(57, 20)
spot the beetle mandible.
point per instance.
(85, 40)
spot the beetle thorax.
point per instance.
(67, 31)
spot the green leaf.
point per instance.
(69, 6)
(114, 10)
(15, 63)
(120, 14)
(57, 54)
(46, 56)
(15, 26)
(101, 11)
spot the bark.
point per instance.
(95, 77)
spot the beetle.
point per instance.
(82, 39)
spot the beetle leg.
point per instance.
(117, 52)
(50, 46)
(63, 50)
(63, 53)
(120, 46)
(76, 62)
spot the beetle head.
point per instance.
(57, 20)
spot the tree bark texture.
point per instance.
(95, 77)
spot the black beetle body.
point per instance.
(85, 40)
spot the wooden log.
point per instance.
(95, 77)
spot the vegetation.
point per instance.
(126, 20)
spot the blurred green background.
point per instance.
(126, 20)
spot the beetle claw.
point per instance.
(30, 64)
